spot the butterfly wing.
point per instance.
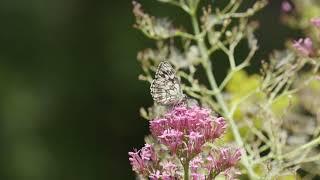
(165, 88)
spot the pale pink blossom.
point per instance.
(171, 138)
(169, 170)
(195, 164)
(196, 140)
(142, 160)
(221, 161)
(315, 21)
(226, 158)
(304, 46)
(182, 132)
(155, 175)
(147, 153)
(137, 163)
(286, 6)
(198, 176)
(218, 127)
(187, 128)
(209, 163)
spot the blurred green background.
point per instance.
(69, 93)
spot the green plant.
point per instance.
(259, 108)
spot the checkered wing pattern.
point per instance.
(165, 88)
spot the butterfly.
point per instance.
(166, 88)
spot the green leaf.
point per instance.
(241, 84)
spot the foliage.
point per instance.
(274, 116)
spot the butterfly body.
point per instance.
(165, 88)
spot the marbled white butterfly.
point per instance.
(166, 88)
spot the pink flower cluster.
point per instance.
(304, 46)
(143, 159)
(146, 163)
(222, 160)
(185, 130)
(315, 22)
(286, 6)
(182, 132)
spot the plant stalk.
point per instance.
(208, 68)
(186, 170)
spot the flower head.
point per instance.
(304, 46)
(187, 129)
(142, 160)
(198, 176)
(196, 140)
(155, 175)
(137, 163)
(184, 131)
(222, 161)
(147, 153)
(315, 22)
(169, 170)
(226, 158)
(195, 166)
(286, 6)
(171, 138)
(218, 128)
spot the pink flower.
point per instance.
(221, 161)
(169, 170)
(218, 128)
(304, 46)
(315, 22)
(181, 133)
(226, 158)
(209, 163)
(142, 160)
(195, 164)
(171, 138)
(198, 176)
(155, 175)
(157, 126)
(196, 140)
(147, 153)
(187, 129)
(286, 6)
(138, 165)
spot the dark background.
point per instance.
(69, 93)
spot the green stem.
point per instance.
(186, 170)
(312, 143)
(213, 175)
(208, 68)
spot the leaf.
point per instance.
(241, 84)
(282, 103)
